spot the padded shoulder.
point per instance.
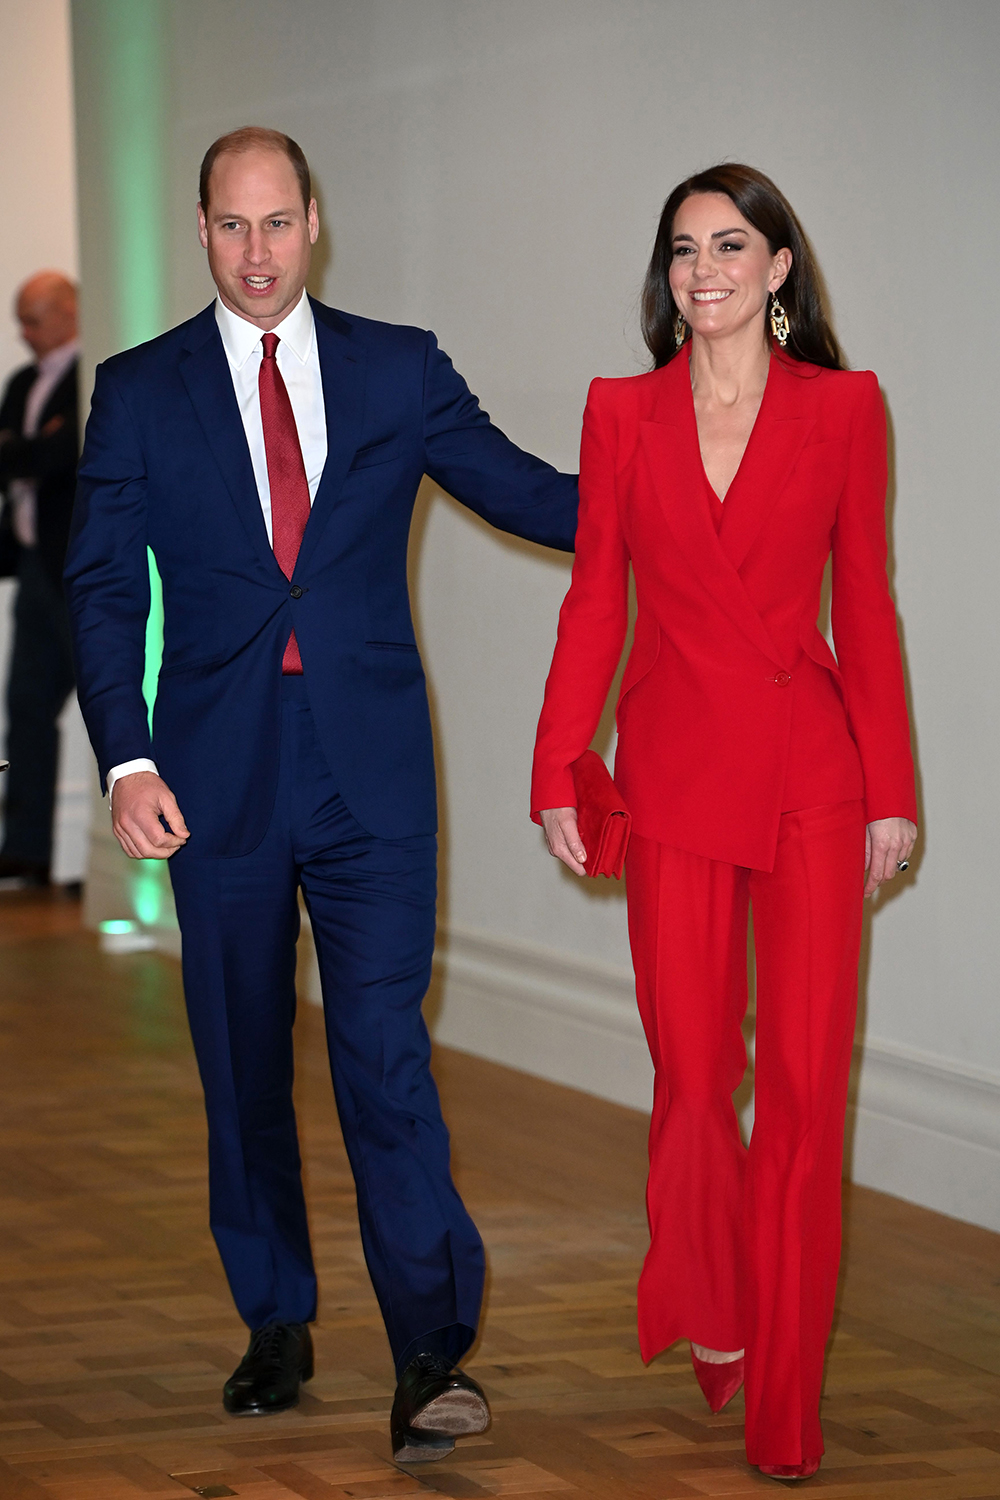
(154, 354)
(613, 392)
(371, 335)
(849, 386)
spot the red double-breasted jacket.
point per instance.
(733, 709)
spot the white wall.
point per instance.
(38, 190)
(495, 172)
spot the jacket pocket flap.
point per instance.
(378, 453)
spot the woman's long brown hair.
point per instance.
(811, 339)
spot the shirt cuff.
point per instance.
(128, 768)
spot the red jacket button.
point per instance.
(782, 678)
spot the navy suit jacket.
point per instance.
(166, 465)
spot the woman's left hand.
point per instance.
(888, 843)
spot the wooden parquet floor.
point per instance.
(116, 1328)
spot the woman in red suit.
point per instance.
(758, 768)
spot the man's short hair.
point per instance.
(255, 138)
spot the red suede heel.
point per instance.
(719, 1383)
(790, 1471)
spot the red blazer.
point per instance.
(733, 708)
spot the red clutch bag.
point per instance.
(604, 821)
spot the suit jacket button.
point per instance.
(295, 591)
(782, 678)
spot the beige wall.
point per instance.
(495, 172)
(37, 171)
(38, 191)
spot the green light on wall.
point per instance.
(135, 60)
(148, 892)
(135, 52)
(133, 38)
(154, 637)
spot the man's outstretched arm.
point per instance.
(481, 467)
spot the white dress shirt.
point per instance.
(298, 360)
(23, 492)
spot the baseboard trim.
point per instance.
(71, 830)
(541, 1011)
(927, 1129)
(921, 1127)
(117, 888)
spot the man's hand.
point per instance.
(138, 801)
(563, 837)
(888, 843)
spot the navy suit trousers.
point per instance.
(371, 903)
(41, 679)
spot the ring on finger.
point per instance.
(902, 864)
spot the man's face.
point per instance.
(258, 234)
(47, 315)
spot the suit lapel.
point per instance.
(671, 446)
(59, 397)
(205, 372)
(16, 401)
(342, 367)
(671, 441)
(778, 438)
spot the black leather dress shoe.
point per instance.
(434, 1405)
(15, 874)
(267, 1378)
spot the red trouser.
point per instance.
(745, 1244)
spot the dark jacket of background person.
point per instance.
(50, 458)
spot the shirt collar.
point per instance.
(241, 338)
(57, 361)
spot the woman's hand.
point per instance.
(888, 843)
(563, 837)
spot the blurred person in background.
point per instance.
(39, 435)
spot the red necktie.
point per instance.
(286, 475)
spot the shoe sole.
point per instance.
(458, 1413)
(262, 1411)
(421, 1452)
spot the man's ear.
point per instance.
(312, 219)
(202, 228)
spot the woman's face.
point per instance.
(722, 269)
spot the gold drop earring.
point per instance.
(680, 329)
(779, 321)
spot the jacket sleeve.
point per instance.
(473, 460)
(864, 619)
(14, 398)
(107, 580)
(48, 456)
(592, 622)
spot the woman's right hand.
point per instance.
(563, 837)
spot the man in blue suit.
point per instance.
(268, 451)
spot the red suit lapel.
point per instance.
(670, 443)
